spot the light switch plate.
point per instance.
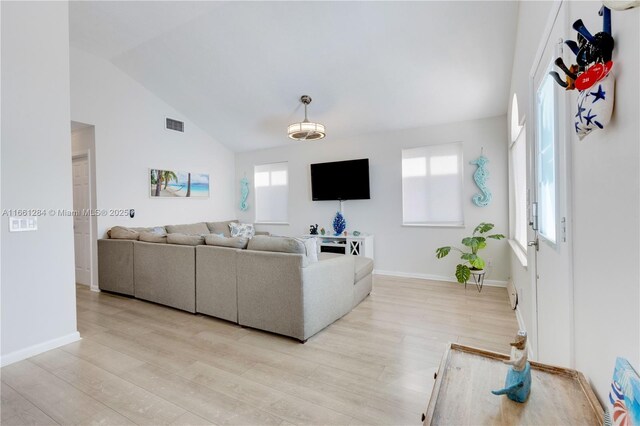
(23, 224)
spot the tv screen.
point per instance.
(340, 180)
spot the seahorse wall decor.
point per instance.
(480, 177)
(244, 194)
(590, 75)
(517, 385)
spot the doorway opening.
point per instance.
(85, 227)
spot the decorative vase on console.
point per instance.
(339, 224)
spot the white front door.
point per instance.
(81, 222)
(551, 274)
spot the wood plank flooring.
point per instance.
(141, 363)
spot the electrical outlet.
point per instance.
(488, 262)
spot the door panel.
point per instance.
(81, 222)
(551, 274)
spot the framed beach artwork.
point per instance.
(174, 184)
(624, 395)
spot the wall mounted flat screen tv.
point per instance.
(340, 180)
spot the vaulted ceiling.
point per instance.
(237, 69)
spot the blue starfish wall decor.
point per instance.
(599, 94)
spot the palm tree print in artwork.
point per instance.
(158, 182)
(167, 176)
(171, 183)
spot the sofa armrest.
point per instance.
(270, 292)
(327, 292)
(115, 266)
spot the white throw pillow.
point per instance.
(244, 230)
(311, 248)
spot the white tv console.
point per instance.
(362, 245)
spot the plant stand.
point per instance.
(478, 279)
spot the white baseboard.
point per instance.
(491, 283)
(38, 349)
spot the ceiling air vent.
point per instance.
(176, 125)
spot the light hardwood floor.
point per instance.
(141, 363)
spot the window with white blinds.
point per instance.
(271, 185)
(432, 185)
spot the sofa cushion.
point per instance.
(199, 228)
(234, 242)
(364, 267)
(220, 227)
(277, 244)
(185, 240)
(123, 233)
(153, 237)
(245, 230)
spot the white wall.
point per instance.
(38, 290)
(130, 138)
(399, 249)
(606, 201)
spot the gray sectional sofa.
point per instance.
(273, 284)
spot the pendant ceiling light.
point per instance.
(306, 130)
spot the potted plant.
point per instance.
(472, 262)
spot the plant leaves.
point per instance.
(442, 252)
(468, 256)
(483, 228)
(462, 273)
(477, 263)
(496, 236)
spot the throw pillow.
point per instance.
(310, 247)
(311, 244)
(222, 241)
(185, 240)
(123, 233)
(244, 230)
(153, 237)
(159, 230)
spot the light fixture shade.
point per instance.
(306, 131)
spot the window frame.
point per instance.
(513, 194)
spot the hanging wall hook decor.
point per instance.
(480, 177)
(591, 75)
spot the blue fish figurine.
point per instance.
(517, 385)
